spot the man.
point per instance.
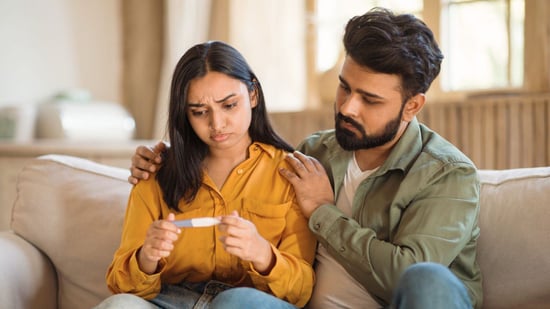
(394, 206)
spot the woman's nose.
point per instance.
(217, 121)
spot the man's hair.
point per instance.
(395, 44)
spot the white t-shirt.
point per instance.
(335, 287)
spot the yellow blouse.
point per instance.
(260, 194)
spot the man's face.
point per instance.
(368, 108)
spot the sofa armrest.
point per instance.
(27, 278)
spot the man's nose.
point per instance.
(351, 105)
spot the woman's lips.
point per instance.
(219, 137)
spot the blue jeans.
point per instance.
(211, 294)
(430, 285)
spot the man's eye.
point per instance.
(369, 101)
(345, 88)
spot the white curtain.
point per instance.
(186, 24)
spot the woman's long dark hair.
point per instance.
(181, 174)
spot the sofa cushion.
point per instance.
(513, 248)
(27, 278)
(72, 209)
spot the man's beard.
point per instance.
(349, 141)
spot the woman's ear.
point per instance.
(413, 106)
(253, 94)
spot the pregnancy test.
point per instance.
(197, 222)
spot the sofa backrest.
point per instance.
(514, 243)
(72, 209)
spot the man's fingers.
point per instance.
(310, 163)
(301, 163)
(146, 152)
(141, 163)
(294, 162)
(160, 147)
(138, 173)
(318, 165)
(290, 176)
(132, 180)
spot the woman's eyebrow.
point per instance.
(226, 98)
(191, 104)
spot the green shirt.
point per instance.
(421, 205)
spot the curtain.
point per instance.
(537, 46)
(143, 36)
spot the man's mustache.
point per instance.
(340, 117)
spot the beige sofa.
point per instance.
(67, 219)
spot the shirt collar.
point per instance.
(406, 149)
(269, 149)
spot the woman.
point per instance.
(223, 163)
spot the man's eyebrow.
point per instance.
(361, 91)
(191, 104)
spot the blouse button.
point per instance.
(240, 171)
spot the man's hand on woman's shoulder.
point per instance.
(145, 161)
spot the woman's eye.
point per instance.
(230, 106)
(198, 113)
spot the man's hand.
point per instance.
(310, 182)
(146, 160)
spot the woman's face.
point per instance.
(219, 109)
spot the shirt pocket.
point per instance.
(269, 218)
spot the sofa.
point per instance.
(67, 217)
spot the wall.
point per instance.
(51, 45)
(496, 132)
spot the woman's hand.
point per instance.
(241, 239)
(158, 244)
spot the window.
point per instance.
(482, 40)
(332, 16)
(483, 44)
